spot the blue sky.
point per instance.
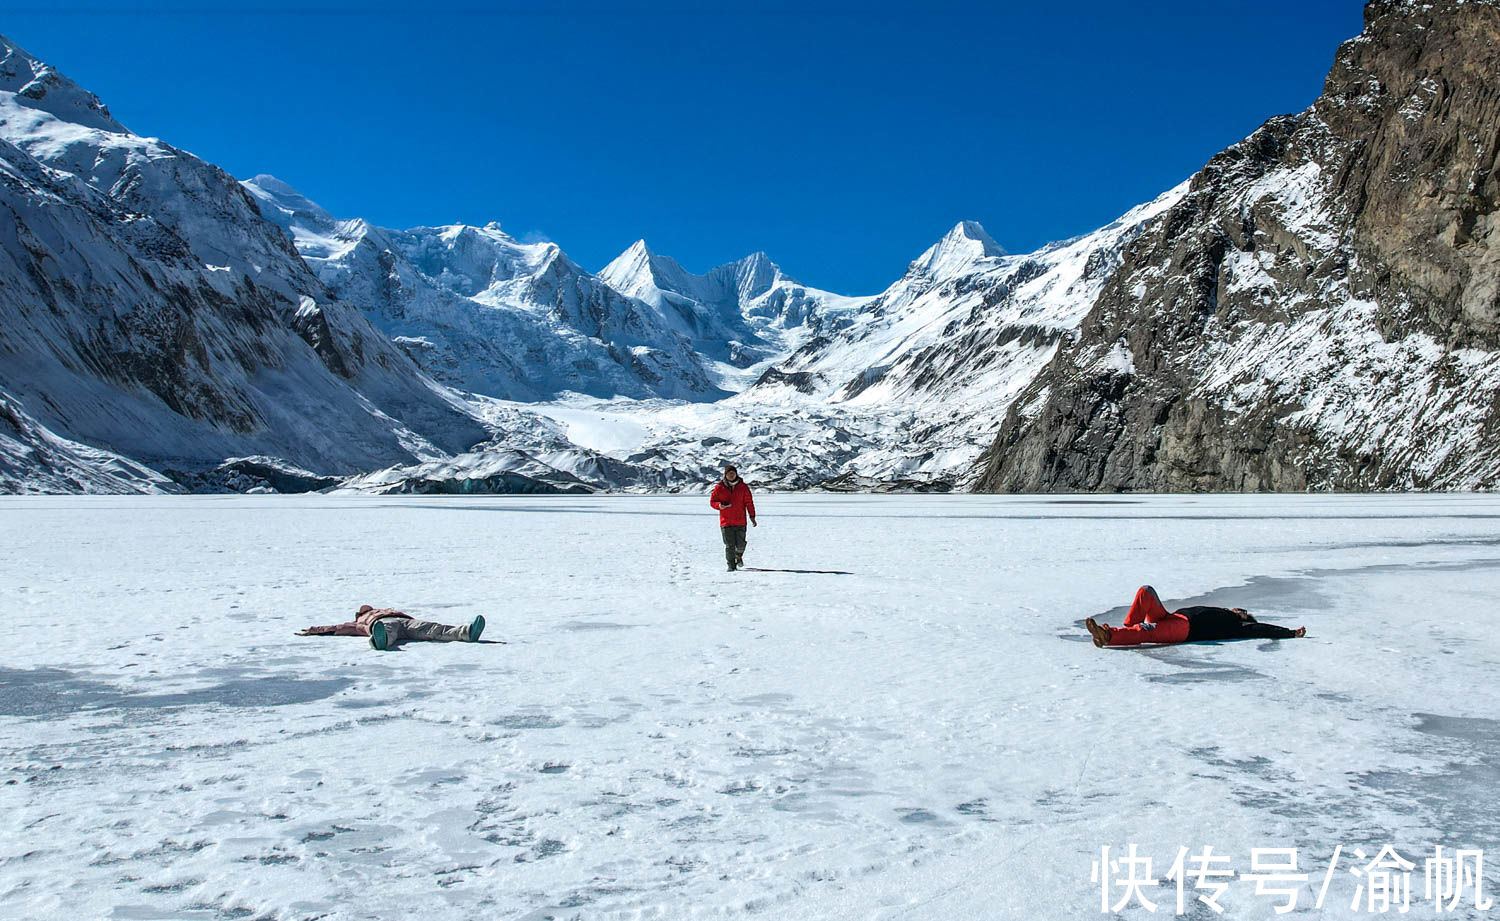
(842, 139)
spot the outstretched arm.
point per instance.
(349, 629)
(1260, 630)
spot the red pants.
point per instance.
(1148, 609)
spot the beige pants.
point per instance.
(405, 630)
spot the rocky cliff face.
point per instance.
(1321, 310)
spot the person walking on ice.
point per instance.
(388, 628)
(1149, 622)
(731, 496)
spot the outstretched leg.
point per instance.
(427, 630)
(1146, 607)
(1172, 628)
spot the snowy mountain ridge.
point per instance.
(148, 311)
(497, 318)
(740, 315)
(483, 312)
(961, 248)
(902, 387)
(41, 87)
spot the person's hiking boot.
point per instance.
(739, 559)
(476, 627)
(731, 565)
(1100, 632)
(377, 635)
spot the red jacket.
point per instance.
(741, 503)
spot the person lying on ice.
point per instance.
(731, 496)
(1149, 622)
(387, 628)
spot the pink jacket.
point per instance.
(359, 626)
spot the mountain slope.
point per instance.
(34, 460)
(1319, 311)
(483, 312)
(147, 308)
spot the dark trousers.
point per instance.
(734, 542)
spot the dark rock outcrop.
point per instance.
(1320, 311)
(499, 484)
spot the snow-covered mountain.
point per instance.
(1316, 308)
(480, 311)
(1320, 310)
(739, 315)
(950, 344)
(147, 309)
(902, 387)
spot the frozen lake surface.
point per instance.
(923, 732)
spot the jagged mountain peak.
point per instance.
(41, 86)
(755, 261)
(640, 261)
(973, 231)
(466, 300)
(298, 214)
(751, 276)
(639, 269)
(958, 249)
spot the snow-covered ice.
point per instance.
(597, 429)
(923, 731)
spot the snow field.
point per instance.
(922, 732)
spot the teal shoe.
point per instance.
(377, 635)
(476, 628)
